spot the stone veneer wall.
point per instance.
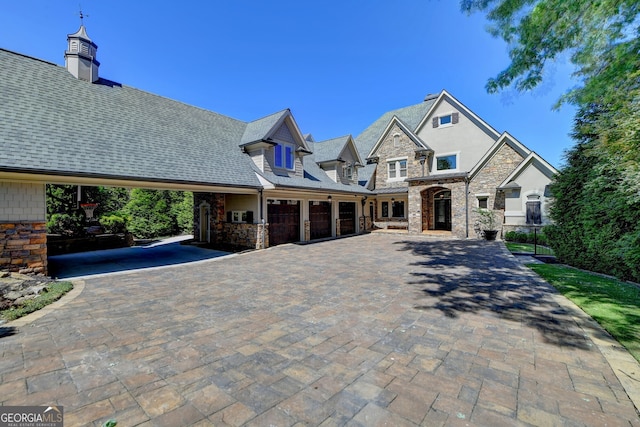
(222, 232)
(216, 218)
(23, 231)
(244, 235)
(387, 150)
(23, 247)
(421, 205)
(490, 176)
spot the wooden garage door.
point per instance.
(284, 222)
(320, 219)
(347, 218)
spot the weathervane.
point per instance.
(82, 16)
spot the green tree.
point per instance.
(156, 213)
(597, 194)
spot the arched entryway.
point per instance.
(436, 209)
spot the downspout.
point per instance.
(262, 217)
(466, 205)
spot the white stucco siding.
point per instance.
(22, 202)
(533, 183)
(466, 138)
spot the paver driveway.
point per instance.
(370, 330)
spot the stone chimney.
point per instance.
(80, 56)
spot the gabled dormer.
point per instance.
(399, 154)
(276, 144)
(339, 158)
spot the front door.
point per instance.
(442, 211)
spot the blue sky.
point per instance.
(338, 65)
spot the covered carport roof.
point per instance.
(56, 128)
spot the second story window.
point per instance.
(397, 169)
(447, 162)
(283, 156)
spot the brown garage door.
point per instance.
(320, 219)
(284, 221)
(347, 218)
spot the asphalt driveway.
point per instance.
(371, 330)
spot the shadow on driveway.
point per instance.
(457, 277)
(164, 253)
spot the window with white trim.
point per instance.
(447, 162)
(284, 156)
(239, 216)
(347, 172)
(446, 120)
(397, 169)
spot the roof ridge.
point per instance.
(24, 55)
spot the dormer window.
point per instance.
(284, 156)
(347, 172)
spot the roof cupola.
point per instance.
(80, 56)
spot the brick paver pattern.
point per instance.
(370, 330)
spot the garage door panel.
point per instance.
(320, 219)
(347, 215)
(284, 222)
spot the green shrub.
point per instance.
(114, 223)
(65, 224)
(521, 237)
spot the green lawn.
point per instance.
(615, 305)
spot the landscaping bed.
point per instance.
(21, 294)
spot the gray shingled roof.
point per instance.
(326, 151)
(410, 116)
(314, 179)
(52, 123)
(257, 129)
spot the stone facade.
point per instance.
(223, 232)
(395, 145)
(421, 200)
(497, 169)
(23, 247)
(242, 235)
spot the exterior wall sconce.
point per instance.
(329, 197)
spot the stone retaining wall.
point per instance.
(23, 247)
